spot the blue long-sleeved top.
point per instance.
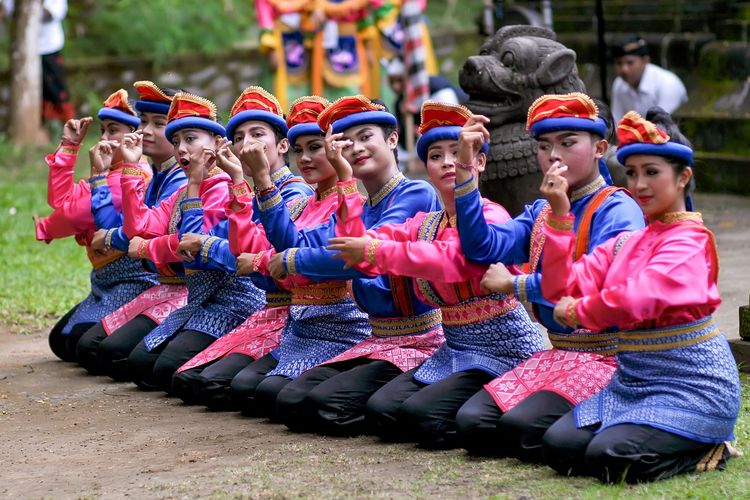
(398, 200)
(215, 253)
(510, 243)
(164, 183)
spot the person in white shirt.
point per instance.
(641, 85)
(56, 105)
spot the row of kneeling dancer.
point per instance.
(396, 311)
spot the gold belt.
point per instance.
(170, 280)
(671, 337)
(585, 341)
(320, 293)
(278, 299)
(474, 311)
(390, 327)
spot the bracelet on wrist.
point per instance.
(465, 166)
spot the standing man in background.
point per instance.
(641, 85)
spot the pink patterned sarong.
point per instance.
(404, 351)
(157, 303)
(255, 337)
(576, 376)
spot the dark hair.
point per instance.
(279, 136)
(606, 114)
(169, 91)
(664, 121)
(629, 45)
(387, 129)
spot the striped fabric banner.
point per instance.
(417, 79)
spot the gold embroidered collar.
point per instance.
(214, 171)
(280, 173)
(166, 165)
(325, 194)
(590, 188)
(674, 217)
(386, 190)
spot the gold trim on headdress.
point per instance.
(151, 85)
(202, 101)
(561, 97)
(260, 90)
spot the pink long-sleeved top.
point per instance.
(665, 274)
(160, 225)
(248, 236)
(71, 200)
(402, 253)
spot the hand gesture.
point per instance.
(560, 313)
(134, 246)
(100, 156)
(97, 242)
(555, 188)
(351, 249)
(335, 145)
(199, 162)
(472, 137)
(276, 266)
(190, 245)
(75, 130)
(131, 148)
(497, 278)
(245, 264)
(229, 163)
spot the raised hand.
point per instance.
(190, 245)
(131, 147)
(75, 130)
(199, 164)
(352, 250)
(555, 188)
(229, 163)
(497, 278)
(472, 137)
(100, 156)
(335, 145)
(253, 156)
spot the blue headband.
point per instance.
(670, 149)
(310, 128)
(255, 115)
(119, 116)
(152, 107)
(445, 133)
(375, 117)
(597, 126)
(193, 122)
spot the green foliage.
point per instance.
(158, 27)
(40, 282)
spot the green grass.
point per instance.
(39, 282)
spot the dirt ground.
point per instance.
(68, 435)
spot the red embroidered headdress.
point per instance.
(303, 116)
(189, 110)
(151, 99)
(256, 103)
(354, 110)
(117, 108)
(441, 121)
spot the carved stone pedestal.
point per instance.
(741, 347)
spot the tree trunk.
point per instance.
(25, 123)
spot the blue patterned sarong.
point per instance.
(680, 379)
(494, 344)
(317, 333)
(217, 303)
(112, 286)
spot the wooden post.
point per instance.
(741, 346)
(25, 120)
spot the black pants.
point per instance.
(242, 389)
(151, 370)
(209, 384)
(485, 430)
(111, 352)
(64, 346)
(57, 340)
(630, 452)
(405, 409)
(331, 398)
(266, 395)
